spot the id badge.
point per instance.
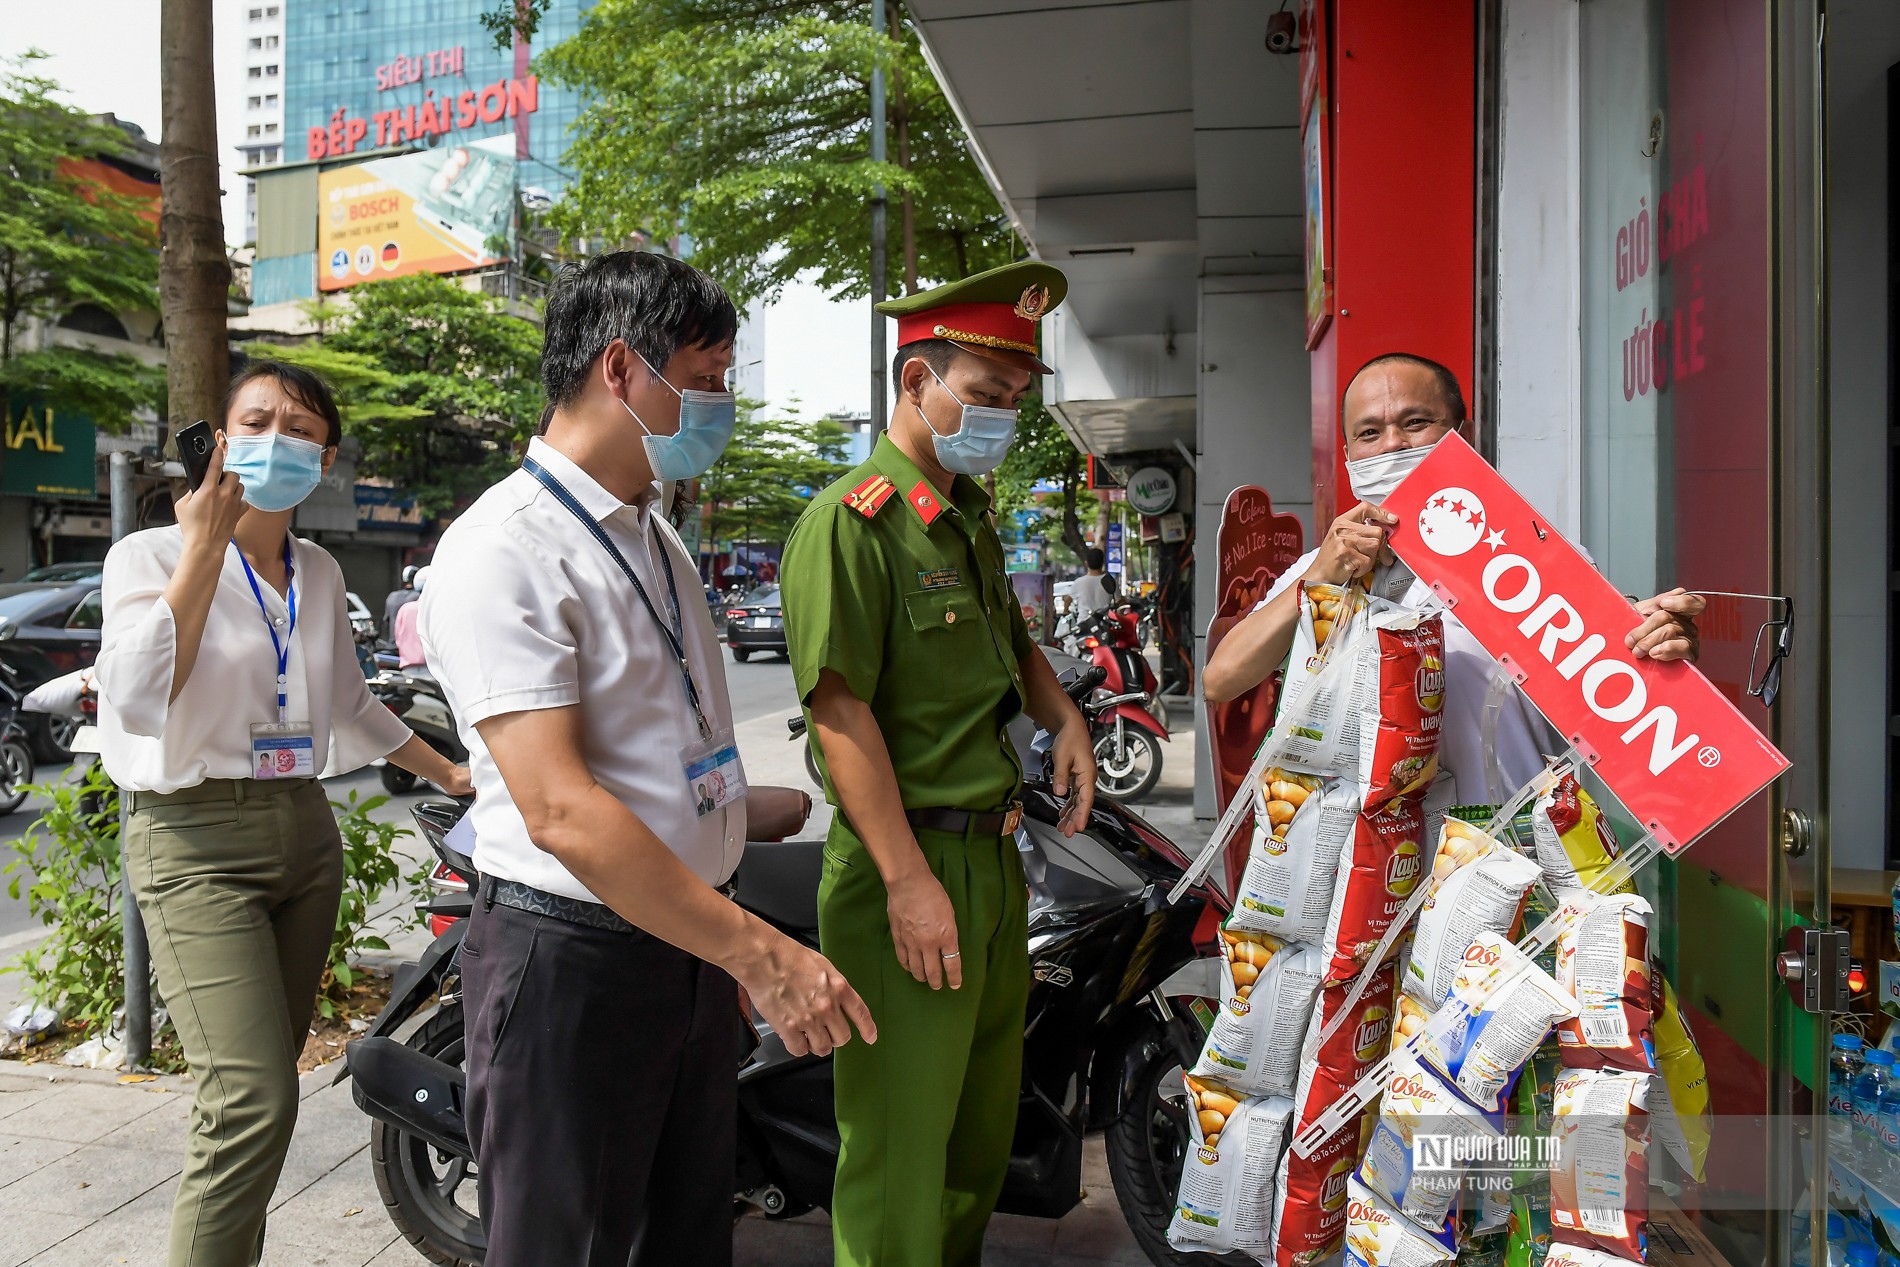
(283, 751)
(714, 776)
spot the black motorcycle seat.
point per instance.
(421, 674)
(778, 881)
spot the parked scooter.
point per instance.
(414, 695)
(1126, 732)
(1104, 1045)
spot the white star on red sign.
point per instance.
(1495, 540)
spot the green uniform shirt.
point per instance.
(918, 618)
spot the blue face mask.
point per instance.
(981, 440)
(707, 421)
(277, 471)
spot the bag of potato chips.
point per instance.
(1378, 869)
(1603, 960)
(1573, 840)
(1500, 1009)
(1377, 1235)
(1224, 1201)
(1287, 887)
(1415, 1102)
(1684, 1090)
(1599, 1186)
(1481, 889)
(1267, 997)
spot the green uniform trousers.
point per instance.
(926, 1115)
(238, 882)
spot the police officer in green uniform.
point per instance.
(911, 657)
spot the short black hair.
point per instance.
(936, 353)
(1447, 381)
(547, 416)
(306, 387)
(1095, 558)
(654, 304)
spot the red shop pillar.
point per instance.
(1391, 88)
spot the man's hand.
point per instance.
(806, 1001)
(924, 929)
(1072, 757)
(1668, 630)
(460, 783)
(1353, 546)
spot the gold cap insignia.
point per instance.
(1033, 304)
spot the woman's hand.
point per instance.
(210, 515)
(459, 783)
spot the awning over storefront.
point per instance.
(1141, 148)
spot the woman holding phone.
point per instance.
(228, 685)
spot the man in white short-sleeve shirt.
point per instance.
(1395, 408)
(564, 619)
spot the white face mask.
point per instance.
(1374, 478)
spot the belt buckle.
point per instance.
(1013, 818)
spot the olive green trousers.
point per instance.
(926, 1115)
(238, 883)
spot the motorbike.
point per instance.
(1126, 732)
(1104, 1042)
(414, 695)
(16, 751)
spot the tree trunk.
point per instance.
(903, 160)
(1071, 525)
(194, 276)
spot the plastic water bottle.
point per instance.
(1862, 1254)
(1871, 1091)
(1843, 1067)
(1836, 1241)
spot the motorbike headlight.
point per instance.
(8, 630)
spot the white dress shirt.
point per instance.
(153, 743)
(1524, 738)
(526, 610)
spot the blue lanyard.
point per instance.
(675, 632)
(282, 648)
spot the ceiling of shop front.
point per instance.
(1139, 146)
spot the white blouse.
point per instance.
(152, 743)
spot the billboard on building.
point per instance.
(441, 211)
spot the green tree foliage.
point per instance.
(1043, 451)
(745, 124)
(752, 492)
(437, 382)
(67, 241)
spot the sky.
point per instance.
(103, 53)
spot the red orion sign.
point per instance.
(1671, 746)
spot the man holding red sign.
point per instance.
(1395, 409)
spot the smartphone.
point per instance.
(195, 443)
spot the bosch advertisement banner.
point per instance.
(439, 211)
(1674, 749)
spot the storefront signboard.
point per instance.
(1673, 748)
(1152, 490)
(1035, 593)
(382, 509)
(49, 453)
(1316, 159)
(1113, 554)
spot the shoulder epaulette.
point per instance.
(869, 497)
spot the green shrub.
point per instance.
(370, 868)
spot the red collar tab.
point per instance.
(923, 500)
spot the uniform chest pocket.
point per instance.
(941, 647)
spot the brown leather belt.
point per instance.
(958, 821)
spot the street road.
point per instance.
(762, 694)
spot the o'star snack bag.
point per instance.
(1224, 1202)
(1578, 1256)
(1379, 1236)
(1309, 1200)
(1509, 1005)
(1481, 889)
(1599, 1187)
(1267, 998)
(1287, 888)
(1378, 869)
(1603, 961)
(1573, 839)
(1413, 1103)
(1409, 1016)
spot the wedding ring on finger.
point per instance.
(953, 954)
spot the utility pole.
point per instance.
(194, 275)
(138, 955)
(880, 409)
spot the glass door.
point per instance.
(1704, 444)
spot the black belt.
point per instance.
(958, 821)
(573, 910)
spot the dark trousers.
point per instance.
(602, 1094)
